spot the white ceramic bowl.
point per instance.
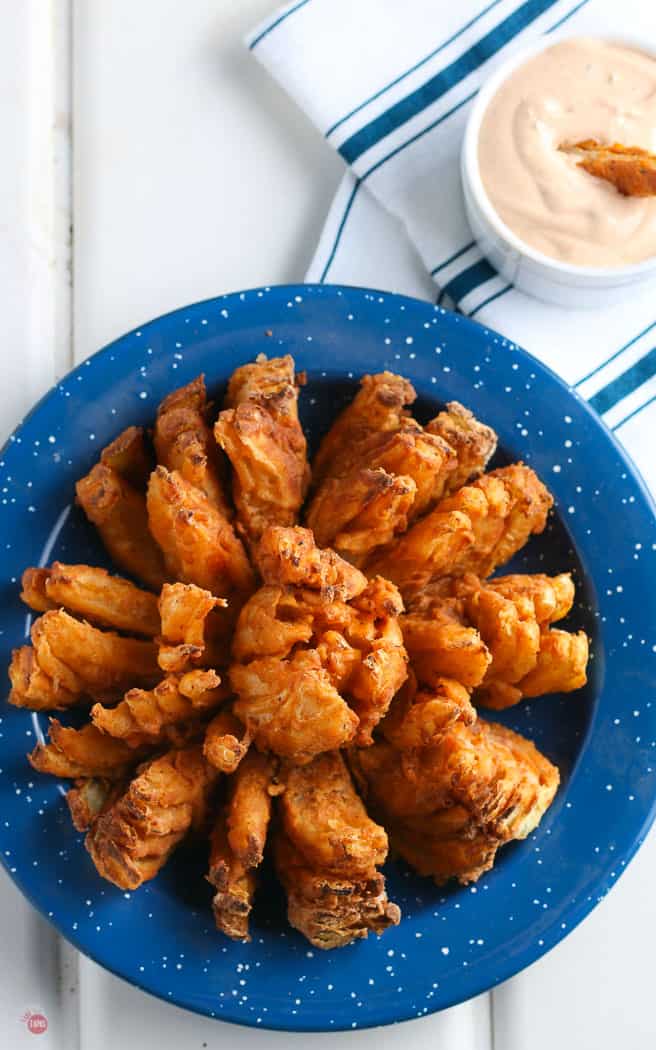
(527, 269)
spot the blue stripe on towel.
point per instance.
(625, 383)
(283, 18)
(442, 82)
(414, 68)
(465, 282)
(419, 135)
(566, 18)
(340, 230)
(360, 181)
(490, 299)
(635, 412)
(452, 258)
(612, 357)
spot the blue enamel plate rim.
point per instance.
(603, 880)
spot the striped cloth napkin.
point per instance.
(390, 84)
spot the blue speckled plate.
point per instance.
(452, 943)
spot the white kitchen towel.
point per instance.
(389, 83)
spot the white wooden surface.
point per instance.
(188, 173)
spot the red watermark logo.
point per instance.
(35, 1023)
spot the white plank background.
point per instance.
(149, 162)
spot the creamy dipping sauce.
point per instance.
(578, 89)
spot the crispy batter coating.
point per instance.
(470, 765)
(184, 442)
(325, 819)
(509, 629)
(431, 595)
(266, 379)
(105, 600)
(33, 590)
(329, 909)
(84, 752)
(235, 884)
(118, 510)
(327, 851)
(361, 511)
(552, 596)
(375, 633)
(427, 458)
(248, 809)
(199, 543)
(89, 797)
(632, 171)
(488, 505)
(290, 557)
(561, 664)
(238, 840)
(419, 716)
(489, 635)
(451, 847)
(291, 707)
(260, 431)
(395, 478)
(473, 442)
(227, 741)
(560, 667)
(478, 528)
(530, 503)
(102, 660)
(70, 660)
(512, 615)
(356, 655)
(448, 807)
(188, 629)
(440, 644)
(130, 457)
(133, 839)
(183, 608)
(428, 549)
(378, 407)
(397, 785)
(32, 687)
(273, 621)
(144, 715)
